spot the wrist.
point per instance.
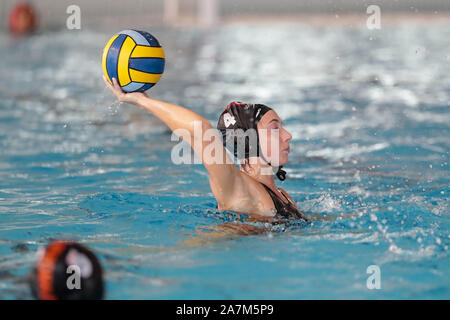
(141, 100)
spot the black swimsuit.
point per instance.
(285, 210)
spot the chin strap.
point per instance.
(281, 174)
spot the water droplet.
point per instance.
(394, 248)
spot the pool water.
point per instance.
(369, 115)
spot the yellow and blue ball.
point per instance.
(135, 59)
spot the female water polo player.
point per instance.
(250, 189)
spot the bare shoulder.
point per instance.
(249, 197)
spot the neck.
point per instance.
(268, 180)
(262, 172)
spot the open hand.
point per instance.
(132, 97)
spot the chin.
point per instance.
(283, 159)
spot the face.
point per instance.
(274, 139)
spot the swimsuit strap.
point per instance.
(285, 210)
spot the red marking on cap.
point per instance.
(234, 103)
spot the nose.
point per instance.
(287, 136)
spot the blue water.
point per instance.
(369, 115)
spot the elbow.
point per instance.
(200, 126)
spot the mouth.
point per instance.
(286, 149)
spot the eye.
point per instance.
(274, 125)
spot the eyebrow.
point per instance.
(274, 120)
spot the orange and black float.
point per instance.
(49, 279)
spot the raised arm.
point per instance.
(222, 171)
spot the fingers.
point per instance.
(115, 88)
(116, 85)
(107, 83)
